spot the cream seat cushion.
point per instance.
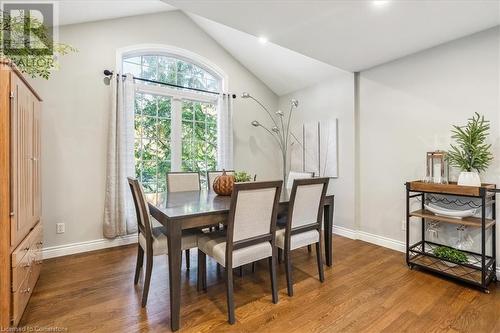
(160, 240)
(298, 240)
(214, 245)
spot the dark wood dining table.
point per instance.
(195, 209)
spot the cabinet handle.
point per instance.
(26, 290)
(26, 249)
(25, 265)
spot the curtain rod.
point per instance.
(107, 72)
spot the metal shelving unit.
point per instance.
(480, 269)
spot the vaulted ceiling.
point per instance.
(311, 40)
(352, 35)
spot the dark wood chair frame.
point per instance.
(289, 231)
(144, 227)
(235, 245)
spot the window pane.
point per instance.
(152, 148)
(187, 110)
(199, 137)
(171, 70)
(164, 107)
(133, 69)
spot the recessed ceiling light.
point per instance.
(380, 3)
(263, 40)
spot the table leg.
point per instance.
(328, 230)
(174, 273)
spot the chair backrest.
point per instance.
(292, 175)
(183, 181)
(252, 214)
(306, 203)
(211, 175)
(141, 210)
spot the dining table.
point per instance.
(179, 211)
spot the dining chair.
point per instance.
(211, 175)
(292, 175)
(303, 223)
(250, 236)
(153, 241)
(183, 181)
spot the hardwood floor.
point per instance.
(369, 289)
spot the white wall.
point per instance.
(330, 99)
(75, 115)
(407, 107)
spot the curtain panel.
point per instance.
(119, 214)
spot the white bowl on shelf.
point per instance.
(454, 213)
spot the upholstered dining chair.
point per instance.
(183, 181)
(292, 175)
(152, 240)
(250, 236)
(211, 175)
(303, 223)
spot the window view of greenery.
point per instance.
(199, 137)
(170, 70)
(153, 122)
(152, 142)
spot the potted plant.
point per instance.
(471, 154)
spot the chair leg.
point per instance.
(147, 279)
(280, 255)
(288, 270)
(202, 271)
(229, 296)
(188, 259)
(138, 265)
(240, 271)
(272, 272)
(320, 261)
(309, 248)
(253, 267)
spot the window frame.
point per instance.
(176, 95)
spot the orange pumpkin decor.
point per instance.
(223, 184)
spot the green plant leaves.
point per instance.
(450, 254)
(471, 152)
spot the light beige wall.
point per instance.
(407, 107)
(330, 99)
(75, 115)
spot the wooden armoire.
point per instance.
(21, 237)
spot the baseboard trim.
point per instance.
(377, 240)
(97, 244)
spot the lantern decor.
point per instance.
(223, 184)
(437, 167)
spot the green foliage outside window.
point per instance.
(153, 122)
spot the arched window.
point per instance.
(175, 127)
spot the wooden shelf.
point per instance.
(468, 221)
(452, 188)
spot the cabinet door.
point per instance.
(22, 160)
(37, 197)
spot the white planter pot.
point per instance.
(469, 179)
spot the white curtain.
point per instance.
(119, 216)
(225, 132)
